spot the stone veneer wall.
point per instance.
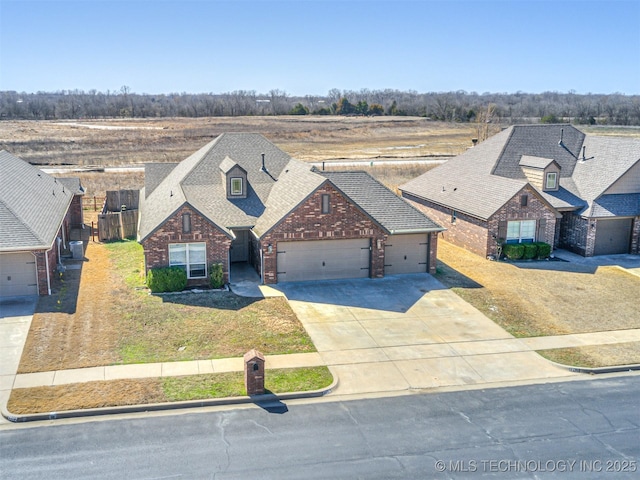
(156, 247)
(307, 222)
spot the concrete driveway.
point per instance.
(15, 320)
(408, 332)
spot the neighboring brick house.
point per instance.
(548, 183)
(242, 199)
(37, 212)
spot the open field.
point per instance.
(125, 142)
(130, 141)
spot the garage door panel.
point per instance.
(613, 236)
(323, 260)
(406, 254)
(18, 275)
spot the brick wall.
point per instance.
(467, 232)
(536, 209)
(308, 223)
(76, 215)
(574, 231)
(156, 247)
(635, 236)
(480, 236)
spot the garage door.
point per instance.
(18, 274)
(613, 236)
(323, 260)
(406, 254)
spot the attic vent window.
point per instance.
(326, 203)
(236, 186)
(186, 223)
(551, 181)
(524, 200)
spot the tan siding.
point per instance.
(628, 183)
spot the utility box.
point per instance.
(254, 372)
(77, 251)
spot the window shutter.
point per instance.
(542, 224)
(502, 231)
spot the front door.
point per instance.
(240, 246)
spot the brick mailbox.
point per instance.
(254, 372)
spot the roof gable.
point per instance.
(391, 212)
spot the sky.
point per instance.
(308, 47)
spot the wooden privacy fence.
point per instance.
(119, 217)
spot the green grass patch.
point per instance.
(195, 326)
(221, 385)
(127, 257)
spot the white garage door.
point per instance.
(323, 260)
(18, 274)
(406, 254)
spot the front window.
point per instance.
(552, 180)
(236, 186)
(190, 256)
(521, 231)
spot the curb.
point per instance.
(157, 407)
(598, 370)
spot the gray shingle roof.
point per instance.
(197, 181)
(617, 205)
(271, 195)
(32, 204)
(393, 213)
(539, 141)
(535, 162)
(481, 180)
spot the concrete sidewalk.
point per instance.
(499, 354)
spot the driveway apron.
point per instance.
(15, 320)
(408, 332)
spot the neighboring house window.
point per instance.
(552, 180)
(454, 216)
(521, 231)
(236, 186)
(326, 204)
(524, 200)
(190, 256)
(186, 223)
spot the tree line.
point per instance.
(459, 106)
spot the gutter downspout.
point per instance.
(46, 263)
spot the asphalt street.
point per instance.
(578, 429)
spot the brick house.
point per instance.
(549, 183)
(240, 199)
(37, 212)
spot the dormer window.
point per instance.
(237, 187)
(551, 182)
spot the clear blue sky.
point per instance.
(309, 47)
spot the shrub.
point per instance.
(530, 250)
(544, 250)
(513, 251)
(216, 276)
(167, 279)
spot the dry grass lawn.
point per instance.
(105, 317)
(549, 298)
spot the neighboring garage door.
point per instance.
(613, 236)
(18, 274)
(406, 254)
(323, 260)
